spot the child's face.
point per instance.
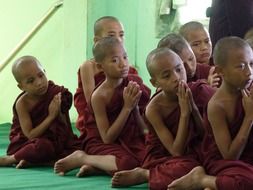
(189, 61)
(201, 45)
(33, 79)
(115, 64)
(113, 28)
(238, 71)
(168, 72)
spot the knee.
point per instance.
(45, 147)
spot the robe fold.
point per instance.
(231, 174)
(57, 141)
(202, 72)
(164, 168)
(80, 102)
(129, 147)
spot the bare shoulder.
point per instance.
(153, 106)
(23, 103)
(99, 94)
(88, 64)
(215, 107)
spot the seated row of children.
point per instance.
(199, 120)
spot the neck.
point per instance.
(231, 90)
(170, 97)
(112, 82)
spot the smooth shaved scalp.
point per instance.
(98, 26)
(225, 46)
(174, 41)
(190, 26)
(154, 55)
(20, 62)
(103, 47)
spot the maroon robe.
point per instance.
(202, 72)
(164, 168)
(80, 100)
(129, 147)
(231, 174)
(57, 141)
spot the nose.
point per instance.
(204, 46)
(123, 62)
(249, 70)
(38, 81)
(120, 38)
(175, 76)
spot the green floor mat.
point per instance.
(43, 178)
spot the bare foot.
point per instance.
(23, 164)
(87, 170)
(190, 181)
(7, 160)
(130, 177)
(207, 188)
(70, 162)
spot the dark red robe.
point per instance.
(80, 102)
(231, 174)
(128, 148)
(202, 72)
(164, 168)
(57, 141)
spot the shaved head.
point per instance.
(103, 47)
(175, 42)
(99, 24)
(225, 46)
(20, 62)
(189, 27)
(154, 55)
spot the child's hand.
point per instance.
(184, 94)
(213, 78)
(247, 102)
(131, 95)
(54, 106)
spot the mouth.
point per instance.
(42, 89)
(205, 55)
(124, 72)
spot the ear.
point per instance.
(153, 82)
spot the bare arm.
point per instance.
(229, 148)
(139, 119)
(176, 146)
(87, 73)
(110, 133)
(196, 115)
(25, 119)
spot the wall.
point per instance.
(138, 18)
(65, 41)
(59, 44)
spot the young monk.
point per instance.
(194, 71)
(115, 138)
(174, 121)
(227, 147)
(41, 130)
(198, 38)
(89, 75)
